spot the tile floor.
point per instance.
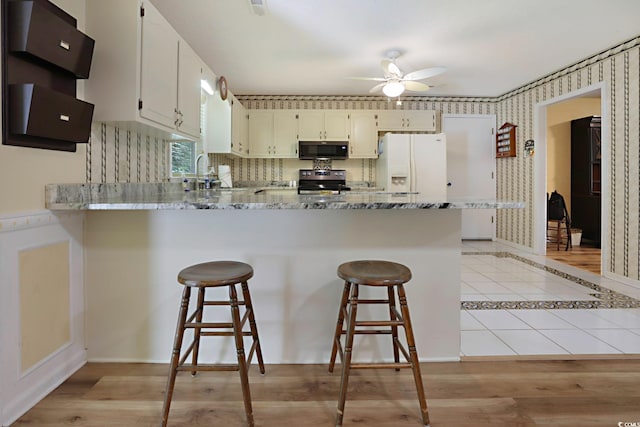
(521, 304)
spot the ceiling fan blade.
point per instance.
(375, 79)
(425, 73)
(390, 68)
(377, 88)
(416, 86)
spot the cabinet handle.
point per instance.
(325, 134)
(65, 45)
(408, 124)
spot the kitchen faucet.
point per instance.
(198, 157)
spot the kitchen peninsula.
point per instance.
(138, 236)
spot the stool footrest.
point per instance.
(390, 365)
(202, 325)
(208, 367)
(370, 332)
(379, 323)
(373, 301)
(222, 334)
(220, 303)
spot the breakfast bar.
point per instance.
(138, 236)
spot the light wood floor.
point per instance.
(584, 257)
(470, 393)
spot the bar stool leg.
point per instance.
(252, 324)
(242, 361)
(197, 330)
(394, 329)
(175, 355)
(415, 363)
(338, 333)
(346, 363)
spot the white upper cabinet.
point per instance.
(323, 125)
(189, 92)
(273, 133)
(142, 71)
(239, 127)
(285, 133)
(409, 120)
(159, 69)
(363, 141)
(261, 133)
(227, 126)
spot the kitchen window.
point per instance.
(183, 157)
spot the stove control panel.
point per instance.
(320, 174)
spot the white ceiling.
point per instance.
(308, 47)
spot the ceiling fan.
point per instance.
(394, 83)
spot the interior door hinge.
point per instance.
(139, 104)
(142, 11)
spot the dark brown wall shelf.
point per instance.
(506, 140)
(45, 113)
(43, 54)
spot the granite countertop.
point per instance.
(170, 196)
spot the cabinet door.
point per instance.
(420, 120)
(261, 127)
(189, 93)
(363, 142)
(239, 128)
(217, 129)
(311, 125)
(285, 133)
(159, 69)
(336, 125)
(390, 120)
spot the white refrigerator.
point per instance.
(413, 163)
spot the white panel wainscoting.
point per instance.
(22, 387)
(133, 259)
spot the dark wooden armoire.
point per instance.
(586, 178)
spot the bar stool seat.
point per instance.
(375, 273)
(210, 275)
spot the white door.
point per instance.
(471, 167)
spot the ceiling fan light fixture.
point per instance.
(393, 89)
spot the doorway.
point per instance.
(549, 117)
(471, 169)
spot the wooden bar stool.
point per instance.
(393, 276)
(209, 275)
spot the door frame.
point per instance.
(494, 121)
(540, 168)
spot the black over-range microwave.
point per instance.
(309, 150)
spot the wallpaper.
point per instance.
(619, 68)
(120, 155)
